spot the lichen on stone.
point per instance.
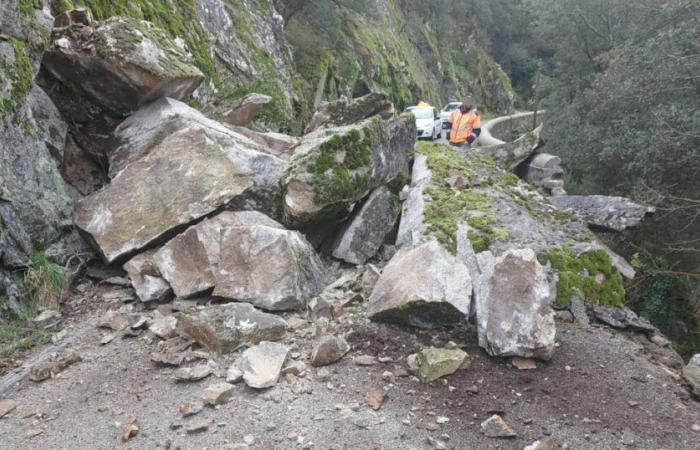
(18, 74)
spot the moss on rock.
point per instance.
(19, 74)
(590, 276)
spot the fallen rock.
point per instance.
(225, 327)
(123, 64)
(191, 408)
(513, 296)
(244, 256)
(328, 350)
(361, 237)
(261, 364)
(375, 397)
(6, 407)
(199, 426)
(244, 110)
(433, 363)
(114, 321)
(196, 373)
(622, 318)
(347, 111)
(130, 430)
(146, 279)
(52, 369)
(217, 394)
(543, 444)
(318, 307)
(423, 286)
(578, 310)
(691, 373)
(131, 212)
(523, 363)
(334, 168)
(496, 427)
(234, 374)
(364, 360)
(163, 326)
(101, 73)
(605, 212)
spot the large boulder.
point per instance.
(366, 231)
(227, 327)
(512, 300)
(347, 111)
(334, 168)
(606, 212)
(422, 286)
(412, 225)
(142, 131)
(244, 256)
(184, 177)
(100, 73)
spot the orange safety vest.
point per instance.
(462, 125)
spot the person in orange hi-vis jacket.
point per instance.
(466, 125)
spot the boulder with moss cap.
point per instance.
(334, 168)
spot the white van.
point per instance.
(428, 121)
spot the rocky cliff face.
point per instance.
(35, 202)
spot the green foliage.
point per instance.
(660, 295)
(63, 6)
(27, 7)
(577, 277)
(17, 334)
(43, 282)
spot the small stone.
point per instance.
(114, 321)
(191, 408)
(297, 368)
(47, 319)
(196, 373)
(388, 376)
(6, 406)
(524, 363)
(323, 374)
(364, 360)
(329, 349)
(319, 308)
(261, 365)
(632, 403)
(234, 374)
(543, 444)
(442, 420)
(695, 427)
(567, 368)
(496, 427)
(217, 394)
(163, 326)
(197, 427)
(33, 433)
(375, 397)
(433, 363)
(130, 430)
(628, 437)
(249, 439)
(385, 359)
(432, 427)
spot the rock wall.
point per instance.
(35, 202)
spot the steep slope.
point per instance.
(410, 49)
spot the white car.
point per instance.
(428, 121)
(446, 112)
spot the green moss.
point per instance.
(509, 179)
(480, 241)
(20, 75)
(27, 7)
(398, 183)
(64, 6)
(444, 160)
(577, 277)
(342, 166)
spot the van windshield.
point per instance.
(451, 107)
